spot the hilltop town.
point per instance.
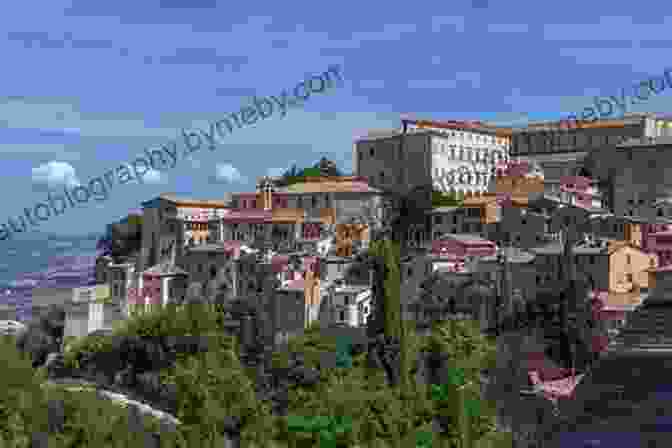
(558, 248)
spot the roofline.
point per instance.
(461, 125)
(188, 203)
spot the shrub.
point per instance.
(211, 387)
(34, 414)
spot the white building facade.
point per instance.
(452, 157)
(348, 305)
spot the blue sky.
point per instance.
(88, 85)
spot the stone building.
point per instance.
(429, 153)
(560, 149)
(637, 174)
(170, 224)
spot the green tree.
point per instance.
(387, 294)
(441, 199)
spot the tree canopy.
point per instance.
(324, 167)
(441, 199)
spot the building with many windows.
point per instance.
(452, 156)
(563, 150)
(170, 224)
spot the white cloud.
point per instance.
(227, 173)
(54, 174)
(154, 177)
(275, 172)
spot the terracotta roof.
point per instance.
(465, 125)
(478, 200)
(192, 202)
(248, 214)
(330, 186)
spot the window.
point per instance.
(372, 151)
(629, 155)
(437, 220)
(592, 259)
(382, 176)
(361, 155)
(660, 212)
(200, 268)
(628, 278)
(314, 200)
(627, 259)
(346, 299)
(341, 316)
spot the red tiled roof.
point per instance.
(560, 388)
(548, 370)
(251, 215)
(296, 284)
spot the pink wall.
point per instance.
(448, 247)
(311, 230)
(151, 287)
(579, 187)
(279, 202)
(657, 238)
(575, 183)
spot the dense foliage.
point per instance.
(34, 415)
(388, 301)
(324, 167)
(441, 199)
(42, 335)
(348, 403)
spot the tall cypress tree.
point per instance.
(385, 257)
